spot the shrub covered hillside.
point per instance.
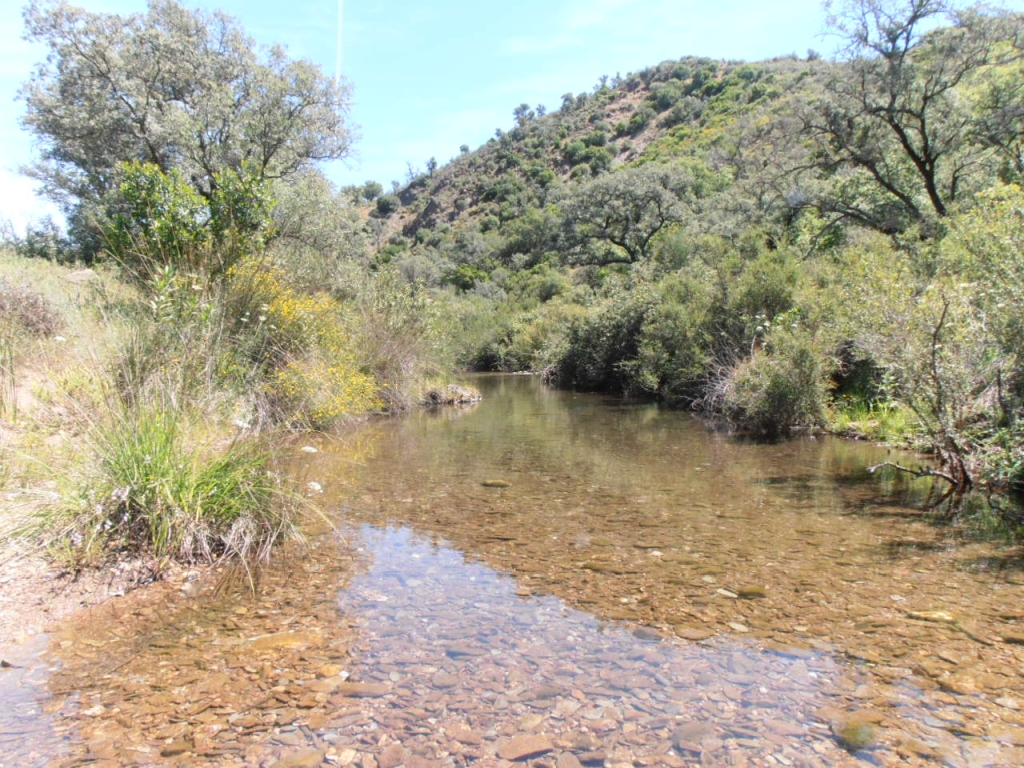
(796, 243)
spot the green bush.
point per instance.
(155, 220)
(388, 204)
(778, 388)
(601, 347)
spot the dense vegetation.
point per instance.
(791, 244)
(227, 301)
(798, 243)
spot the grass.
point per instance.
(157, 407)
(160, 487)
(879, 421)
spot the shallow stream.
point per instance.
(560, 580)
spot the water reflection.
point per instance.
(27, 735)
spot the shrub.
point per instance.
(24, 311)
(159, 490)
(601, 347)
(155, 220)
(388, 204)
(778, 387)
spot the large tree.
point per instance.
(894, 125)
(184, 90)
(625, 209)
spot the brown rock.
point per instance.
(752, 593)
(568, 760)
(392, 757)
(689, 736)
(364, 690)
(784, 728)
(524, 746)
(175, 748)
(300, 758)
(911, 747)
(285, 640)
(543, 693)
(445, 680)
(465, 735)
(694, 634)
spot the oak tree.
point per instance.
(186, 91)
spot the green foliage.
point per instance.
(781, 386)
(626, 210)
(401, 342)
(601, 343)
(160, 489)
(156, 220)
(183, 90)
(897, 114)
(388, 204)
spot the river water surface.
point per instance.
(560, 580)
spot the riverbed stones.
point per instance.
(300, 758)
(507, 611)
(524, 746)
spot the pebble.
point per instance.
(300, 758)
(525, 745)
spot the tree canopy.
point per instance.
(894, 122)
(183, 90)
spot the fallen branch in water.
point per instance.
(915, 472)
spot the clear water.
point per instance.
(549, 578)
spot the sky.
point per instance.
(428, 77)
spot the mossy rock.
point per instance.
(854, 734)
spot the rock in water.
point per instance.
(524, 746)
(854, 734)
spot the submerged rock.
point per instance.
(300, 758)
(453, 394)
(854, 733)
(524, 746)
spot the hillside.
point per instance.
(693, 108)
(789, 244)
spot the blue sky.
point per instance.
(429, 77)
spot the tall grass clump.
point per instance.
(24, 314)
(160, 488)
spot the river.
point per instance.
(556, 579)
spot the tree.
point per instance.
(372, 190)
(183, 90)
(626, 209)
(893, 125)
